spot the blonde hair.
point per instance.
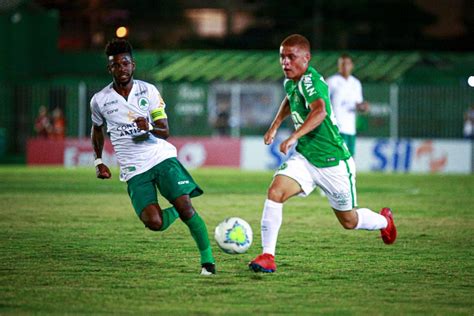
(297, 40)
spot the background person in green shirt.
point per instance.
(321, 158)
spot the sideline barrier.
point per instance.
(193, 152)
(249, 153)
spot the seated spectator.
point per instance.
(43, 126)
(59, 124)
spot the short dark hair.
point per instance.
(296, 40)
(118, 46)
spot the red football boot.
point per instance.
(389, 233)
(263, 263)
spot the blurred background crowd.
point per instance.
(216, 62)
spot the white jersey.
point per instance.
(345, 94)
(137, 151)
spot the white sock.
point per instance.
(271, 222)
(370, 220)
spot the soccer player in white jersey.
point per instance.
(347, 100)
(137, 124)
(321, 158)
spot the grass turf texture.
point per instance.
(70, 243)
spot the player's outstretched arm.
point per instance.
(282, 114)
(97, 137)
(159, 128)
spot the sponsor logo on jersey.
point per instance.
(283, 166)
(183, 182)
(111, 111)
(143, 103)
(128, 129)
(308, 85)
(110, 102)
(140, 93)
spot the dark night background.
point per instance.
(437, 25)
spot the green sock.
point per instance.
(198, 230)
(169, 216)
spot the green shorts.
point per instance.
(350, 141)
(171, 179)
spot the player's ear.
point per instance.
(109, 64)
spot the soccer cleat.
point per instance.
(208, 268)
(263, 263)
(389, 233)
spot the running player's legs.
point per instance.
(143, 194)
(348, 219)
(292, 178)
(282, 188)
(152, 216)
(339, 184)
(177, 186)
(174, 182)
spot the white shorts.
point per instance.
(337, 182)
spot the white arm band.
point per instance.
(97, 162)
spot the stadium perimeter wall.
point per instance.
(249, 153)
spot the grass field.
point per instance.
(72, 244)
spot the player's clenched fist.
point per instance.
(269, 137)
(142, 123)
(286, 144)
(103, 172)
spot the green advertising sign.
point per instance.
(186, 106)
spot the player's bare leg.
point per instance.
(157, 219)
(198, 230)
(348, 219)
(281, 189)
(151, 217)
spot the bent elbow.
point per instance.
(164, 135)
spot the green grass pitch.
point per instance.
(72, 244)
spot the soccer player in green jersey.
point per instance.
(137, 124)
(321, 158)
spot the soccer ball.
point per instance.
(233, 235)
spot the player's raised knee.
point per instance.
(276, 195)
(153, 224)
(151, 220)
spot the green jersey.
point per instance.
(323, 146)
